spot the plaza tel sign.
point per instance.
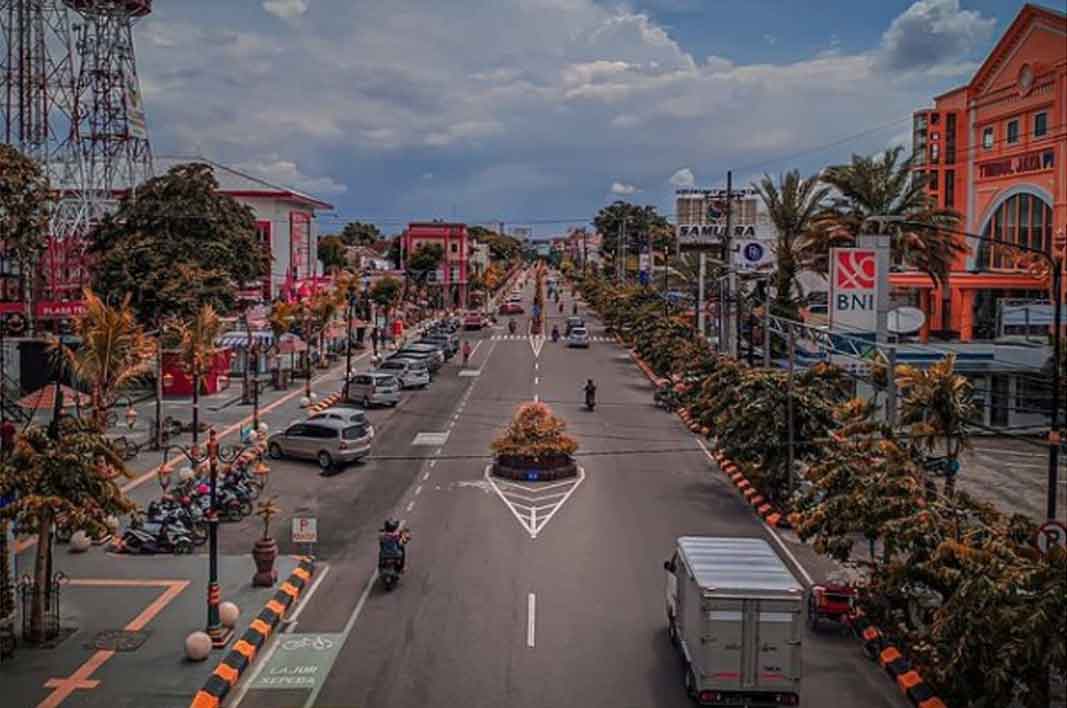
(854, 284)
(1020, 164)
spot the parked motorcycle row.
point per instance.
(178, 521)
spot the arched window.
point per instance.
(1023, 219)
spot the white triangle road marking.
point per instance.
(532, 516)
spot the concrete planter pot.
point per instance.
(264, 553)
(530, 470)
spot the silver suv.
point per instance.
(350, 415)
(411, 374)
(330, 442)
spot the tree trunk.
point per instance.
(41, 581)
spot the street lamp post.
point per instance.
(348, 347)
(212, 456)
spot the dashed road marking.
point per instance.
(418, 489)
(531, 622)
(411, 505)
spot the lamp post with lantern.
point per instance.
(212, 456)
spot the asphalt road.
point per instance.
(527, 597)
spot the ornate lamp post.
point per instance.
(212, 456)
(348, 348)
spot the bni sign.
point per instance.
(854, 286)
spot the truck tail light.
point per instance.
(787, 699)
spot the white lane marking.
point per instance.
(769, 529)
(536, 398)
(425, 476)
(537, 380)
(537, 366)
(531, 621)
(432, 463)
(250, 679)
(418, 489)
(526, 514)
(411, 505)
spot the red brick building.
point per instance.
(995, 150)
(452, 273)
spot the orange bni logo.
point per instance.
(856, 270)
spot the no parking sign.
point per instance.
(1049, 535)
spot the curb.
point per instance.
(324, 403)
(897, 667)
(241, 656)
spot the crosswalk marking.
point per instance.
(524, 338)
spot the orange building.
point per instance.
(995, 150)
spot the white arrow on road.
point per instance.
(534, 504)
(537, 341)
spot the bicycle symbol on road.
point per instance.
(317, 643)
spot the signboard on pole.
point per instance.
(1050, 535)
(753, 255)
(305, 530)
(854, 290)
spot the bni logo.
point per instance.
(855, 269)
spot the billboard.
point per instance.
(854, 290)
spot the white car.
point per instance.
(579, 337)
(406, 371)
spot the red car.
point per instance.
(473, 320)
(511, 308)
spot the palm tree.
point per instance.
(792, 204)
(115, 351)
(196, 349)
(884, 185)
(938, 403)
(70, 471)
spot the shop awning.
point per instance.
(44, 398)
(239, 340)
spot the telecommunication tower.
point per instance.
(70, 99)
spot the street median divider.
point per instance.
(244, 651)
(324, 403)
(879, 648)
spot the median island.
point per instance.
(534, 447)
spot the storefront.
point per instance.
(995, 151)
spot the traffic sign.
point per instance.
(305, 530)
(1049, 535)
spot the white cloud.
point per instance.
(623, 189)
(931, 33)
(770, 39)
(287, 174)
(286, 9)
(568, 95)
(683, 178)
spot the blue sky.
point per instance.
(541, 111)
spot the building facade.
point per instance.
(995, 150)
(452, 273)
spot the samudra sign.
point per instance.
(711, 234)
(854, 284)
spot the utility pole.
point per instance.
(729, 335)
(767, 326)
(620, 252)
(789, 408)
(702, 274)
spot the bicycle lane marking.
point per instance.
(154, 472)
(299, 661)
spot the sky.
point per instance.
(540, 112)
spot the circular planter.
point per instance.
(530, 470)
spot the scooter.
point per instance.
(511, 326)
(149, 537)
(390, 562)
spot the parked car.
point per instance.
(329, 442)
(573, 322)
(380, 389)
(350, 415)
(432, 356)
(449, 342)
(579, 337)
(511, 308)
(407, 372)
(473, 320)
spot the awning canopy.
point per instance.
(44, 398)
(289, 343)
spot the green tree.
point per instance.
(24, 205)
(196, 338)
(792, 204)
(501, 247)
(331, 251)
(71, 471)
(642, 222)
(425, 259)
(179, 245)
(357, 233)
(386, 291)
(884, 185)
(114, 352)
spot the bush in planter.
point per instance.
(534, 437)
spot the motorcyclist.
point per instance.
(574, 309)
(511, 326)
(391, 542)
(590, 393)
(555, 333)
(466, 352)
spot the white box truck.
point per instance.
(734, 610)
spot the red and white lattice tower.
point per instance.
(70, 99)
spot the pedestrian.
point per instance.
(374, 339)
(466, 352)
(7, 438)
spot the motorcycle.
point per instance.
(157, 537)
(590, 399)
(511, 326)
(390, 562)
(555, 334)
(169, 510)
